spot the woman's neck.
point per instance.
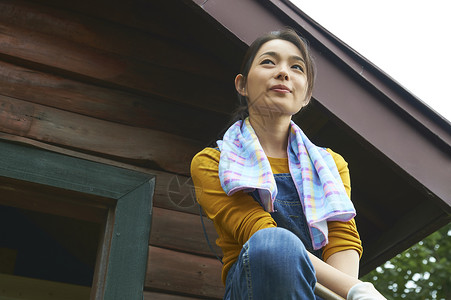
(272, 132)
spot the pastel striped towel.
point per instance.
(243, 166)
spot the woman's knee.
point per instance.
(277, 242)
(277, 258)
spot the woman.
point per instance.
(279, 203)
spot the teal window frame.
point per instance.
(122, 258)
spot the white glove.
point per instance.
(364, 291)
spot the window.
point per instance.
(93, 218)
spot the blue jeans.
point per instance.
(273, 264)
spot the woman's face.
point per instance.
(276, 82)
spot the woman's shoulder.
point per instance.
(208, 153)
(206, 158)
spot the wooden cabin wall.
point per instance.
(123, 86)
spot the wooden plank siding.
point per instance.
(181, 231)
(110, 37)
(186, 273)
(108, 104)
(29, 47)
(128, 91)
(173, 20)
(143, 145)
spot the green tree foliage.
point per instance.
(421, 272)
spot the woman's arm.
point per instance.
(345, 248)
(344, 284)
(339, 272)
(335, 280)
(346, 261)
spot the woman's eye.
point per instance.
(298, 67)
(267, 61)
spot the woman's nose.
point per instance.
(282, 74)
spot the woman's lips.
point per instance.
(280, 88)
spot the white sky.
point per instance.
(410, 40)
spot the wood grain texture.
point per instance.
(186, 24)
(142, 15)
(169, 270)
(183, 232)
(109, 104)
(145, 146)
(44, 52)
(111, 37)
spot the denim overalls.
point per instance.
(282, 270)
(288, 212)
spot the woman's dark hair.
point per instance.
(287, 35)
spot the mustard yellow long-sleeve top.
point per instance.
(237, 217)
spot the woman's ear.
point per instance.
(240, 85)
